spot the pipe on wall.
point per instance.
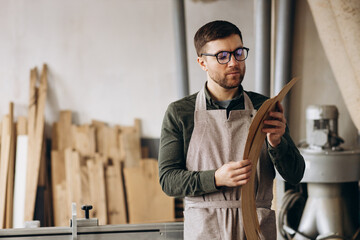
(283, 48)
(283, 53)
(182, 76)
(262, 46)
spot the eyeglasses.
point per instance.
(224, 57)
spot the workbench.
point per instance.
(154, 231)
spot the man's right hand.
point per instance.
(233, 174)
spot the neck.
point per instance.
(219, 93)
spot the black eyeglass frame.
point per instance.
(231, 53)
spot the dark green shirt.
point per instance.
(176, 132)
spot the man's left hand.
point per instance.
(275, 126)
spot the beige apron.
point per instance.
(215, 141)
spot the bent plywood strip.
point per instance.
(252, 150)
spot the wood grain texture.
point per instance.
(73, 179)
(10, 183)
(130, 144)
(145, 199)
(21, 126)
(116, 205)
(84, 140)
(252, 151)
(5, 161)
(64, 130)
(62, 139)
(36, 125)
(58, 181)
(97, 189)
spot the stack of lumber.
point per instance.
(22, 158)
(88, 163)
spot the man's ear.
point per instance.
(202, 63)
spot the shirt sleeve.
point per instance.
(175, 179)
(287, 159)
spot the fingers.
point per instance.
(279, 107)
(277, 116)
(239, 164)
(242, 171)
(233, 174)
(274, 123)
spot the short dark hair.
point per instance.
(212, 31)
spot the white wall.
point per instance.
(108, 60)
(239, 12)
(113, 60)
(317, 85)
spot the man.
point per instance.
(203, 138)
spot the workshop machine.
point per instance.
(330, 181)
(88, 229)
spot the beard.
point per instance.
(228, 81)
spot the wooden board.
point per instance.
(252, 151)
(97, 189)
(5, 161)
(145, 199)
(115, 195)
(36, 138)
(10, 183)
(112, 148)
(61, 139)
(107, 141)
(99, 135)
(84, 140)
(60, 203)
(62, 214)
(85, 185)
(21, 126)
(130, 144)
(73, 178)
(64, 130)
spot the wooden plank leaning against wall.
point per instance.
(87, 167)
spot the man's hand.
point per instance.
(233, 174)
(275, 127)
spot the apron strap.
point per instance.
(224, 204)
(200, 103)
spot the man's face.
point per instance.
(229, 75)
